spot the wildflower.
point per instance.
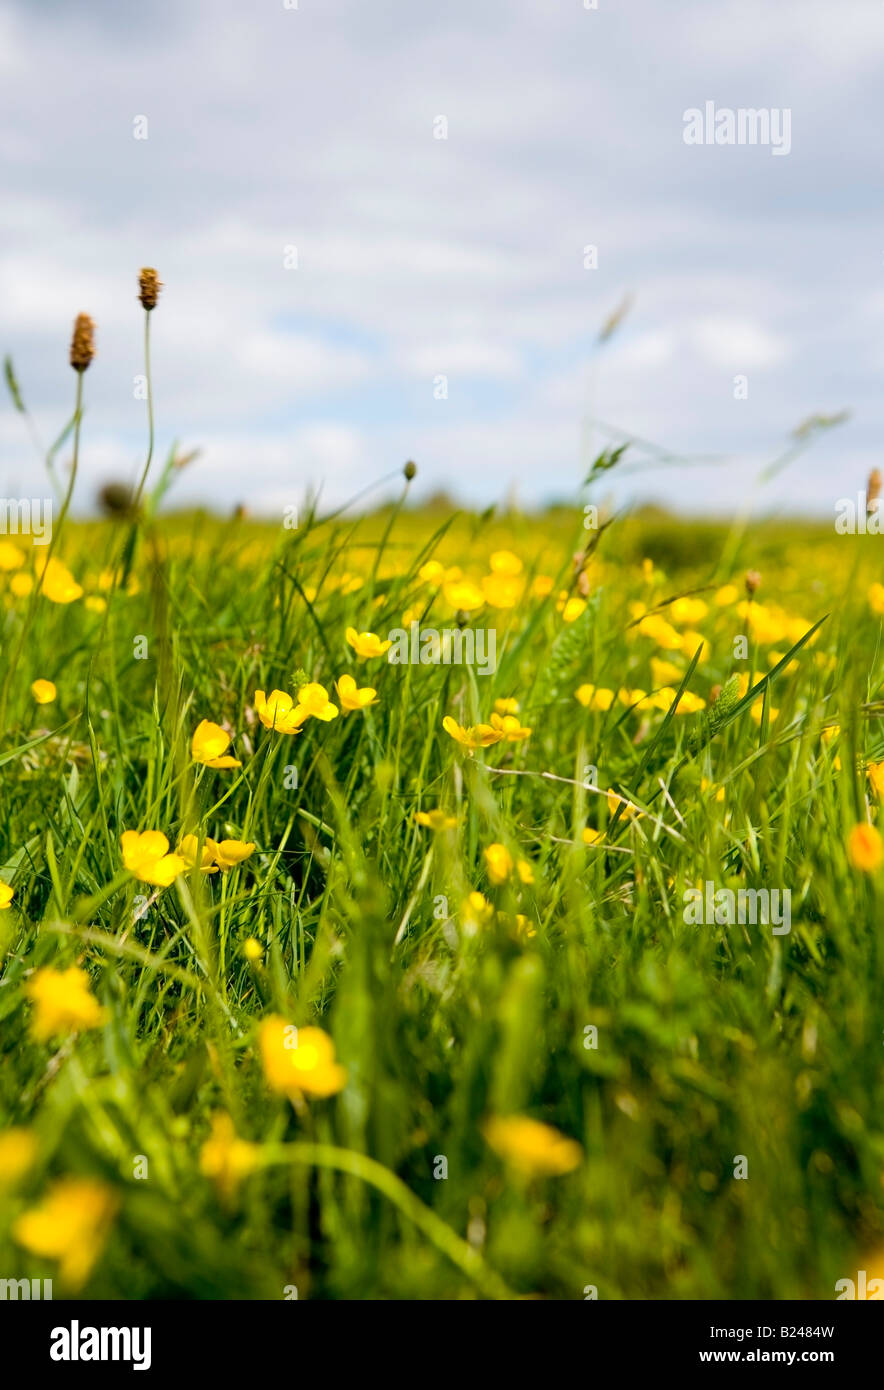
(706, 785)
(225, 1158)
(727, 594)
(252, 950)
(507, 706)
(279, 712)
(875, 774)
(70, 1225)
(505, 562)
(661, 632)
(593, 697)
(313, 702)
(435, 820)
(865, 848)
(499, 863)
(432, 572)
(665, 672)
(149, 286)
(630, 698)
(463, 594)
(63, 1002)
(525, 870)
(82, 343)
(229, 853)
(475, 736)
(502, 590)
(628, 810)
(299, 1061)
(58, 584)
(352, 698)
(591, 836)
(11, 557)
(21, 585)
(366, 644)
(209, 746)
(476, 912)
(95, 603)
(146, 855)
(190, 848)
(688, 611)
(573, 609)
(18, 1153)
(753, 582)
(690, 641)
(542, 585)
(510, 727)
(6, 895)
(44, 692)
(535, 1149)
(876, 599)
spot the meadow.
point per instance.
(328, 977)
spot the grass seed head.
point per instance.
(82, 343)
(149, 286)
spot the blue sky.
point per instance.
(420, 257)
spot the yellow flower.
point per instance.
(590, 836)
(665, 672)
(592, 697)
(875, 774)
(542, 585)
(505, 562)
(58, 584)
(629, 697)
(661, 632)
(462, 593)
(532, 1147)
(432, 572)
(507, 706)
(876, 599)
(499, 863)
(435, 820)
(225, 1158)
(509, 726)
(628, 810)
(366, 644)
(727, 594)
(572, 609)
(865, 848)
(299, 1061)
(146, 855)
(278, 712)
(502, 590)
(94, 603)
(705, 785)
(229, 853)
(525, 870)
(188, 851)
(6, 895)
(11, 557)
(313, 702)
(209, 746)
(21, 585)
(476, 911)
(688, 611)
(690, 641)
(18, 1153)
(352, 698)
(63, 1002)
(478, 736)
(252, 950)
(70, 1225)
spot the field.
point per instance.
(306, 993)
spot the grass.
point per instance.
(672, 1054)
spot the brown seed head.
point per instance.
(82, 343)
(873, 491)
(410, 471)
(149, 286)
(753, 581)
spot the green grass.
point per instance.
(713, 1042)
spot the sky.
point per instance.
(372, 222)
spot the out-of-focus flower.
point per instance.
(505, 562)
(688, 611)
(6, 895)
(510, 727)
(18, 1153)
(506, 706)
(463, 594)
(572, 609)
(875, 774)
(594, 697)
(58, 584)
(70, 1225)
(11, 557)
(498, 862)
(534, 1148)
(225, 1158)
(435, 820)
(366, 644)
(63, 1002)
(252, 950)
(865, 848)
(656, 627)
(299, 1061)
(21, 585)
(591, 836)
